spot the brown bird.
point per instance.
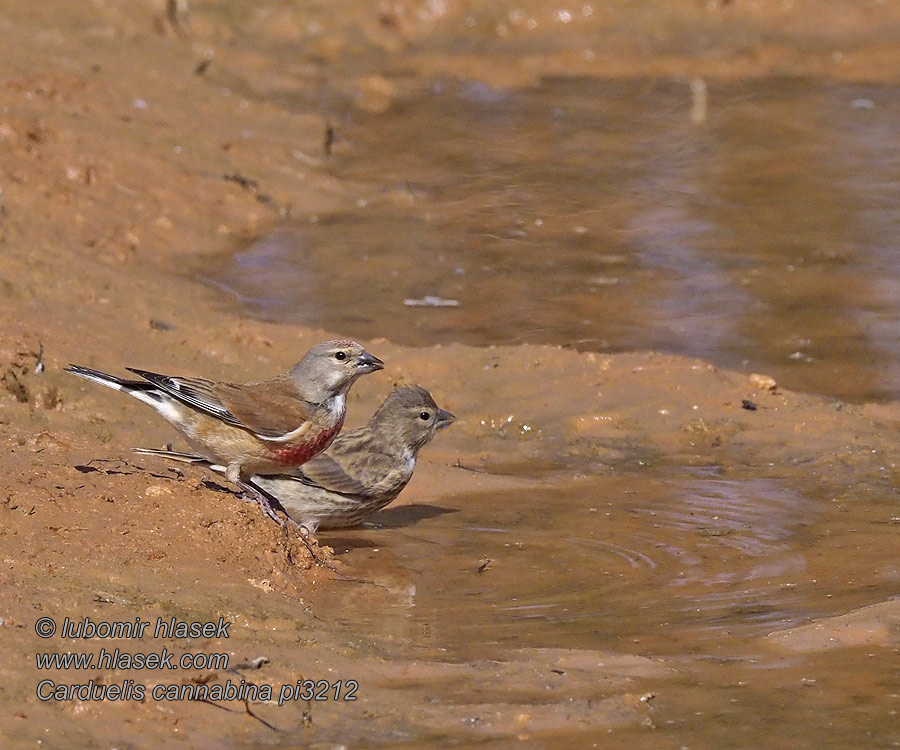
(362, 471)
(262, 427)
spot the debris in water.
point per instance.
(431, 301)
(485, 564)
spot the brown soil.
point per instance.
(120, 164)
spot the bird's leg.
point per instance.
(304, 532)
(270, 505)
(265, 502)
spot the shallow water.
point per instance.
(689, 570)
(584, 564)
(603, 215)
(572, 563)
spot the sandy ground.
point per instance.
(114, 154)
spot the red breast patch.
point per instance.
(294, 454)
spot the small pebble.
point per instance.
(763, 382)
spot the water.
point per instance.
(596, 214)
(693, 570)
(592, 563)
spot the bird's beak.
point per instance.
(367, 363)
(444, 419)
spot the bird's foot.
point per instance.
(304, 533)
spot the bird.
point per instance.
(363, 470)
(261, 427)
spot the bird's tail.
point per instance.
(185, 458)
(110, 381)
(142, 390)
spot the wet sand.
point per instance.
(761, 602)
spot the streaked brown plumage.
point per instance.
(262, 427)
(362, 471)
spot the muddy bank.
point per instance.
(124, 157)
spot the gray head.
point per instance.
(331, 368)
(410, 414)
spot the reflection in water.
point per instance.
(596, 214)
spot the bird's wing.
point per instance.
(271, 409)
(326, 473)
(195, 392)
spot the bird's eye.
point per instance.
(425, 416)
(340, 356)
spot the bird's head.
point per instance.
(331, 368)
(410, 415)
